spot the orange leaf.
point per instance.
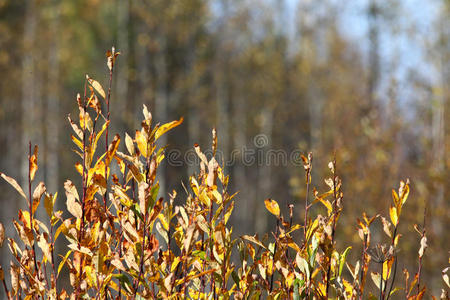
(272, 207)
(33, 163)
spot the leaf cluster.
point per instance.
(126, 241)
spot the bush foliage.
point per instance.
(126, 241)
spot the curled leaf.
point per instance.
(33, 163)
(423, 246)
(37, 194)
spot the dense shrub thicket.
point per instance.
(125, 241)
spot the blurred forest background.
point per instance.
(369, 79)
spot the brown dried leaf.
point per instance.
(97, 86)
(143, 197)
(73, 206)
(212, 172)
(112, 148)
(14, 270)
(386, 226)
(14, 183)
(75, 128)
(188, 237)
(423, 246)
(2, 234)
(37, 194)
(253, 239)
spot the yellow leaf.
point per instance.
(228, 212)
(63, 261)
(33, 163)
(164, 222)
(112, 148)
(85, 120)
(404, 191)
(166, 127)
(395, 197)
(97, 137)
(393, 214)
(77, 142)
(141, 141)
(272, 207)
(387, 266)
(96, 85)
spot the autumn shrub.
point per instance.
(125, 240)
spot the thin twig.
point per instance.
(30, 206)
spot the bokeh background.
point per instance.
(366, 79)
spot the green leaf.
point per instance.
(342, 258)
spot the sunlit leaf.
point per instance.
(393, 215)
(272, 207)
(342, 259)
(395, 198)
(423, 246)
(73, 206)
(63, 261)
(404, 191)
(129, 144)
(376, 278)
(302, 264)
(387, 226)
(112, 148)
(14, 183)
(166, 127)
(141, 141)
(37, 194)
(33, 163)
(75, 128)
(147, 114)
(97, 86)
(253, 239)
